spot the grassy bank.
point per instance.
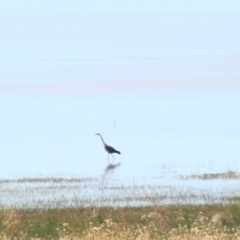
(168, 222)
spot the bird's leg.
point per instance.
(112, 156)
(108, 158)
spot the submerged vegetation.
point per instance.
(64, 208)
(211, 176)
(168, 189)
(171, 222)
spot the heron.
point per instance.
(109, 149)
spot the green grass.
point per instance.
(169, 222)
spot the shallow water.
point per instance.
(161, 136)
(108, 191)
(188, 132)
(161, 85)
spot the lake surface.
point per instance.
(165, 137)
(160, 83)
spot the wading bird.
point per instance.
(109, 149)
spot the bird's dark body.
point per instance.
(111, 149)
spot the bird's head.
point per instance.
(97, 134)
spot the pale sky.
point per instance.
(119, 42)
(75, 7)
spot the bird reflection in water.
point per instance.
(111, 166)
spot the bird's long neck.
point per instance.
(102, 140)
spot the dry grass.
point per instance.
(172, 222)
